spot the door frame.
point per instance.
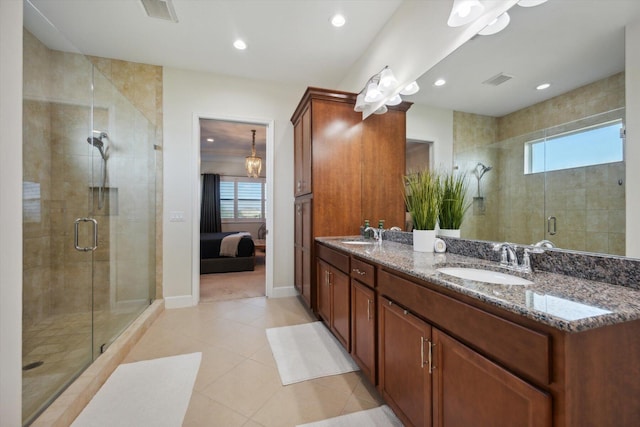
(269, 163)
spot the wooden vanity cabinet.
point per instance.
(363, 317)
(351, 169)
(333, 293)
(431, 379)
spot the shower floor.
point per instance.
(64, 344)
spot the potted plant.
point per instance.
(422, 197)
(454, 204)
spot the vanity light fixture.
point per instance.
(209, 139)
(382, 86)
(253, 163)
(338, 20)
(440, 82)
(464, 12)
(497, 25)
(543, 86)
(239, 44)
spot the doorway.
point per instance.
(243, 206)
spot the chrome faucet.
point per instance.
(377, 233)
(509, 258)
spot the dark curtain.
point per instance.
(210, 210)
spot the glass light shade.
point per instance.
(410, 89)
(387, 79)
(373, 93)
(395, 100)
(381, 110)
(360, 104)
(530, 3)
(253, 164)
(464, 12)
(498, 24)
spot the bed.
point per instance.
(212, 262)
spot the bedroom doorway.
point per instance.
(232, 203)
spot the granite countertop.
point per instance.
(567, 303)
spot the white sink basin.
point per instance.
(357, 242)
(486, 276)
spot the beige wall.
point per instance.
(588, 202)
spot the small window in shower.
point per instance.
(588, 146)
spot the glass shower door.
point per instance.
(57, 170)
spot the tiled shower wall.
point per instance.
(589, 202)
(57, 163)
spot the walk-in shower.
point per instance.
(89, 212)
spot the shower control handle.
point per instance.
(552, 230)
(76, 224)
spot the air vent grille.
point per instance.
(160, 9)
(498, 79)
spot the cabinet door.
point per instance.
(363, 344)
(470, 390)
(303, 248)
(324, 292)
(302, 154)
(340, 306)
(404, 377)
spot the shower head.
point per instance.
(97, 142)
(480, 170)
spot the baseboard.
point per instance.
(181, 301)
(283, 292)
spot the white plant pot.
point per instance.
(446, 232)
(424, 240)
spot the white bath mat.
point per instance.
(382, 416)
(148, 393)
(308, 351)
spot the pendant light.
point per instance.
(253, 163)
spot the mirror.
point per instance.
(499, 115)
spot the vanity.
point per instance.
(450, 351)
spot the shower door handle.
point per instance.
(76, 223)
(552, 230)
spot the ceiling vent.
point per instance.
(497, 80)
(160, 9)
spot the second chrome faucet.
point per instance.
(509, 256)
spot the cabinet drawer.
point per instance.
(363, 272)
(522, 350)
(335, 258)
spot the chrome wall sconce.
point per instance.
(382, 89)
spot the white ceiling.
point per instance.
(566, 42)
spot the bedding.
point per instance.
(211, 261)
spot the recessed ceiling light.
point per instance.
(543, 86)
(209, 139)
(439, 82)
(338, 20)
(239, 44)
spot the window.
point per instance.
(242, 198)
(589, 146)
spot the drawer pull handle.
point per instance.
(356, 270)
(422, 352)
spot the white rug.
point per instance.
(382, 416)
(148, 393)
(308, 351)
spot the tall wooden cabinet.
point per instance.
(349, 170)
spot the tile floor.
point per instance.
(238, 382)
